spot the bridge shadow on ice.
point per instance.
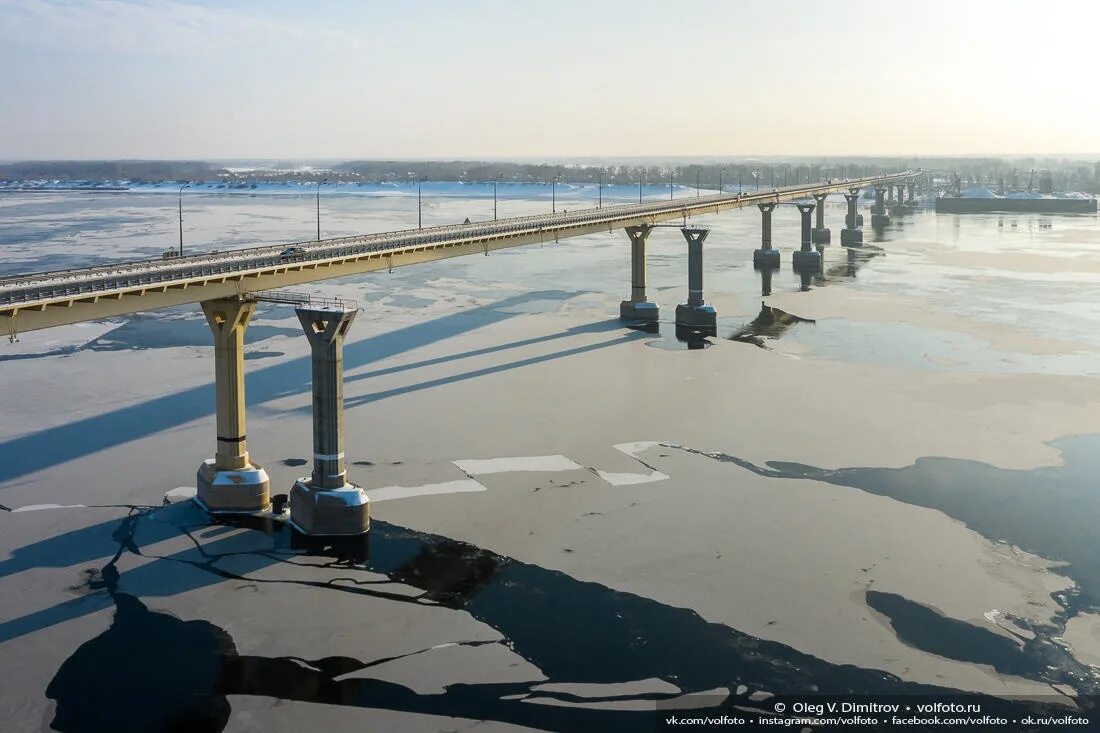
(29, 453)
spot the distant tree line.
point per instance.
(110, 170)
(1066, 174)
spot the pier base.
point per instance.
(319, 511)
(822, 236)
(765, 257)
(699, 317)
(851, 237)
(642, 311)
(807, 261)
(880, 220)
(228, 491)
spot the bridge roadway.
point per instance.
(43, 300)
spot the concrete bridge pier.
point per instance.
(326, 503)
(638, 308)
(696, 313)
(807, 259)
(850, 235)
(766, 256)
(879, 217)
(912, 186)
(821, 234)
(229, 482)
(900, 207)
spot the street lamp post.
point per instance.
(669, 184)
(697, 194)
(419, 209)
(599, 205)
(186, 185)
(323, 180)
(494, 199)
(554, 195)
(721, 188)
(640, 182)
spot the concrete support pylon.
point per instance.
(879, 217)
(638, 308)
(900, 207)
(696, 314)
(821, 234)
(229, 482)
(807, 259)
(326, 503)
(851, 235)
(766, 256)
(912, 186)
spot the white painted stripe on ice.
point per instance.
(476, 466)
(40, 507)
(386, 493)
(627, 479)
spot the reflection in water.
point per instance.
(695, 337)
(770, 323)
(857, 258)
(678, 338)
(151, 671)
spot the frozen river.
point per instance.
(878, 481)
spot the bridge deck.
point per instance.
(46, 299)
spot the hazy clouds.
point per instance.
(166, 78)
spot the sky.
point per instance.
(328, 79)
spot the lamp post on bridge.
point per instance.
(554, 195)
(721, 188)
(419, 201)
(494, 199)
(599, 205)
(641, 182)
(697, 194)
(323, 180)
(186, 185)
(670, 184)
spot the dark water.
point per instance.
(1050, 511)
(151, 671)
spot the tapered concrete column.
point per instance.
(695, 313)
(766, 256)
(879, 218)
(850, 235)
(326, 503)
(807, 258)
(230, 482)
(821, 234)
(638, 308)
(912, 186)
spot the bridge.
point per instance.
(228, 285)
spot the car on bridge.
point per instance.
(292, 253)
